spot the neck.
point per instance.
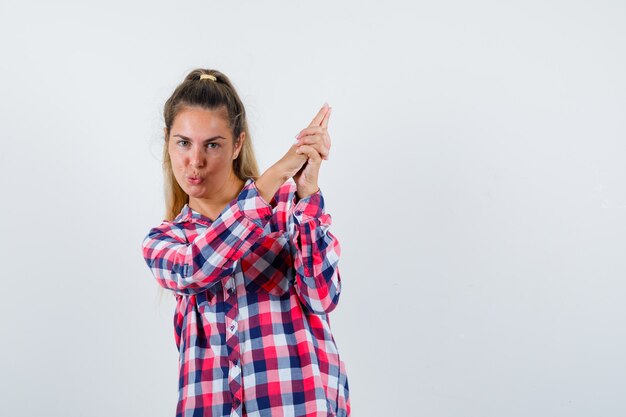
(212, 205)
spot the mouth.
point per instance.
(195, 180)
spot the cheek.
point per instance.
(179, 166)
(220, 157)
(177, 161)
(217, 157)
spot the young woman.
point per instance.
(250, 260)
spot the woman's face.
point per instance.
(202, 151)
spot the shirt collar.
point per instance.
(187, 214)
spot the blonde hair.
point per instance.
(220, 95)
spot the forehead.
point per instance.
(197, 121)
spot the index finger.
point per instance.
(325, 121)
(319, 116)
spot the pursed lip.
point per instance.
(195, 180)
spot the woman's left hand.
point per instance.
(314, 143)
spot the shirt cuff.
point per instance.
(309, 207)
(253, 206)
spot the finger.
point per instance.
(310, 152)
(318, 143)
(319, 116)
(323, 138)
(322, 133)
(320, 149)
(326, 137)
(326, 117)
(311, 130)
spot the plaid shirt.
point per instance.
(253, 291)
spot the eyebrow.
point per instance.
(206, 140)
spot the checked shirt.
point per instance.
(253, 290)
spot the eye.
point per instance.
(212, 145)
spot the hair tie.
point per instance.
(209, 76)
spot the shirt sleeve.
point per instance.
(317, 280)
(192, 267)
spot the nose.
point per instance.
(196, 158)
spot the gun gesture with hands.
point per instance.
(313, 142)
(302, 161)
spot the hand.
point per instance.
(290, 163)
(313, 142)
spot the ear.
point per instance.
(239, 145)
(240, 141)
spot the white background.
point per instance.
(477, 185)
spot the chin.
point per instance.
(195, 193)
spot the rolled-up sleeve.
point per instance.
(317, 250)
(192, 267)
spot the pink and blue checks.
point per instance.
(253, 291)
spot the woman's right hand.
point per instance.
(291, 162)
(276, 175)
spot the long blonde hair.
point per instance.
(218, 94)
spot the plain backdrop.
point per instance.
(476, 183)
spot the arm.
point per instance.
(189, 268)
(317, 251)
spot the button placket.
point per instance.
(232, 341)
(233, 327)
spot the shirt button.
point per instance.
(298, 212)
(231, 291)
